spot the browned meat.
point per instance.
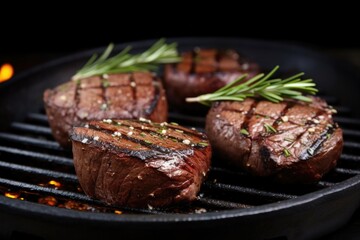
(139, 163)
(293, 141)
(126, 96)
(204, 71)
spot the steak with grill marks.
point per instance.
(203, 71)
(292, 141)
(140, 163)
(125, 96)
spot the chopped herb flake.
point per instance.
(203, 144)
(244, 131)
(328, 135)
(174, 123)
(146, 141)
(269, 128)
(287, 152)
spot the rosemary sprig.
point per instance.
(274, 90)
(158, 53)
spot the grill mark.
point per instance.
(246, 123)
(249, 114)
(77, 97)
(152, 149)
(283, 113)
(134, 139)
(141, 154)
(196, 134)
(168, 135)
(103, 92)
(154, 133)
(155, 100)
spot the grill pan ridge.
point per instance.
(235, 202)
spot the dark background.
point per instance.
(31, 39)
(63, 28)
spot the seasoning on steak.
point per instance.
(140, 163)
(292, 141)
(125, 96)
(204, 71)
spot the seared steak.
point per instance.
(140, 163)
(203, 71)
(292, 141)
(125, 96)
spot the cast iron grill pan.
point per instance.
(43, 197)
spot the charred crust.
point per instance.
(316, 146)
(265, 154)
(155, 100)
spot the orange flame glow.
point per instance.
(6, 72)
(118, 212)
(55, 183)
(12, 195)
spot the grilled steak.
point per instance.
(139, 163)
(292, 141)
(124, 96)
(204, 71)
